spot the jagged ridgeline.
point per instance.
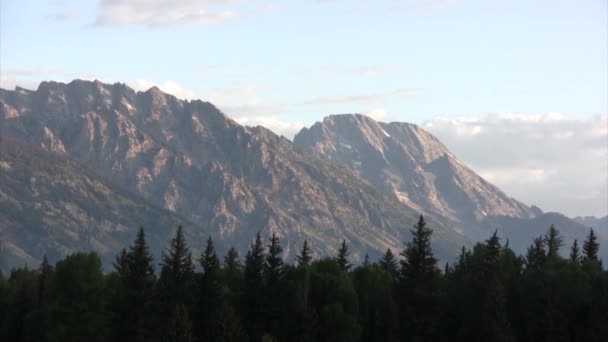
(188, 158)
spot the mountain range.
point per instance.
(84, 164)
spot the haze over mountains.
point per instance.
(348, 177)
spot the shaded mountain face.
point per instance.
(51, 204)
(189, 158)
(415, 168)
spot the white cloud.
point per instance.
(377, 114)
(558, 163)
(164, 12)
(274, 123)
(169, 87)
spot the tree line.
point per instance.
(488, 294)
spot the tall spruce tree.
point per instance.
(495, 324)
(342, 258)
(418, 283)
(209, 260)
(305, 255)
(575, 255)
(554, 242)
(253, 311)
(177, 270)
(389, 262)
(418, 256)
(210, 300)
(138, 283)
(536, 256)
(591, 247)
(120, 262)
(274, 262)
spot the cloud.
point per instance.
(164, 12)
(558, 163)
(377, 114)
(169, 87)
(366, 98)
(274, 123)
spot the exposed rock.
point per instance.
(188, 157)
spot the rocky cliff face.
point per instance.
(189, 158)
(53, 205)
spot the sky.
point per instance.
(516, 89)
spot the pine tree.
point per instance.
(553, 241)
(254, 263)
(389, 262)
(366, 260)
(418, 255)
(591, 247)
(418, 285)
(305, 255)
(177, 269)
(535, 256)
(494, 325)
(120, 263)
(210, 298)
(233, 272)
(254, 317)
(274, 262)
(138, 282)
(342, 259)
(139, 263)
(231, 261)
(575, 256)
(209, 260)
(44, 276)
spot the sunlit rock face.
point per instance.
(190, 159)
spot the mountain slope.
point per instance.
(189, 158)
(416, 168)
(51, 204)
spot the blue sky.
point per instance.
(287, 64)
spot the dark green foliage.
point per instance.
(591, 248)
(554, 242)
(274, 262)
(177, 269)
(343, 255)
(419, 286)
(134, 292)
(76, 304)
(536, 256)
(253, 293)
(305, 256)
(487, 294)
(575, 255)
(389, 263)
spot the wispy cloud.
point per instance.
(366, 98)
(164, 13)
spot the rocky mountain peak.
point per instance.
(411, 164)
